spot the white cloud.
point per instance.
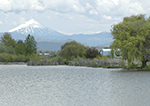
(64, 5)
(83, 14)
(5, 5)
(93, 11)
(107, 17)
(104, 6)
(78, 8)
(1, 22)
(115, 2)
(122, 7)
(38, 5)
(88, 5)
(15, 19)
(136, 8)
(97, 7)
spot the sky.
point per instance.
(70, 16)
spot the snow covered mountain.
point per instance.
(46, 37)
(36, 29)
(28, 27)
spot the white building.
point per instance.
(106, 52)
(46, 54)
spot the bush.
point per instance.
(19, 58)
(132, 65)
(92, 53)
(5, 57)
(36, 57)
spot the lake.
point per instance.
(22, 85)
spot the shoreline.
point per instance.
(23, 63)
(13, 63)
(104, 67)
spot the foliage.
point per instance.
(132, 65)
(71, 50)
(10, 50)
(61, 60)
(122, 64)
(19, 58)
(9, 47)
(96, 63)
(92, 53)
(5, 57)
(20, 48)
(31, 45)
(132, 38)
(28, 58)
(4, 49)
(36, 57)
(7, 40)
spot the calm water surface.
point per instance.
(22, 85)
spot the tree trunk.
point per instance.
(144, 64)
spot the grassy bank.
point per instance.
(106, 63)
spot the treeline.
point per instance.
(16, 51)
(75, 54)
(70, 51)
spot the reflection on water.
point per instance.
(130, 88)
(72, 86)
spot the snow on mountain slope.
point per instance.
(29, 27)
(36, 29)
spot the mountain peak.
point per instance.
(28, 25)
(32, 22)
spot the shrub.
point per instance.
(92, 53)
(5, 57)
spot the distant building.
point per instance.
(40, 54)
(46, 54)
(106, 52)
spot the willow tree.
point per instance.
(132, 38)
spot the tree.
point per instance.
(4, 49)
(132, 38)
(71, 50)
(20, 48)
(7, 40)
(31, 45)
(92, 53)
